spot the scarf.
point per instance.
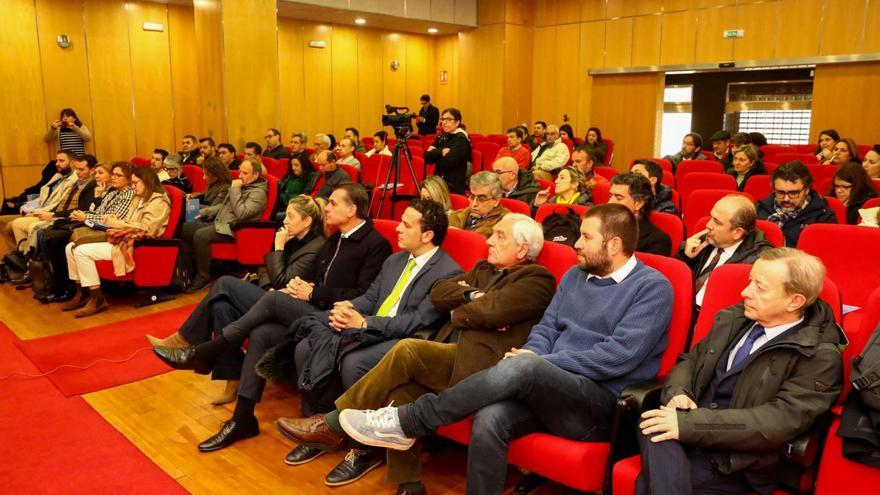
(782, 217)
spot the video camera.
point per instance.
(399, 118)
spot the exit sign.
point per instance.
(734, 33)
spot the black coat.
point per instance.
(817, 211)
(356, 265)
(652, 240)
(432, 118)
(452, 167)
(277, 152)
(757, 169)
(296, 260)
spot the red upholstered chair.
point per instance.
(708, 155)
(477, 160)
(465, 247)
(476, 138)
(269, 163)
(672, 226)
(601, 192)
(676, 199)
(805, 158)
(154, 259)
(609, 154)
(367, 141)
(691, 166)
(722, 290)
(606, 172)
(759, 186)
(557, 258)
(459, 201)
(771, 231)
(278, 168)
(700, 205)
(823, 186)
(388, 229)
(139, 161)
(696, 181)
(586, 466)
(668, 179)
(499, 139)
(253, 239)
(664, 164)
(351, 170)
(428, 140)
(375, 169)
(547, 184)
(517, 206)
(837, 207)
(849, 254)
(568, 144)
(196, 177)
(822, 172)
(547, 209)
(489, 150)
(417, 151)
(390, 210)
(871, 203)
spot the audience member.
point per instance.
(331, 175)
(380, 145)
(147, 216)
(515, 149)
(299, 179)
(298, 142)
(207, 149)
(550, 156)
(69, 133)
(690, 150)
(852, 187)
(253, 151)
(508, 291)
(116, 201)
(571, 189)
(355, 136)
(157, 163)
(451, 151)
(435, 189)
(757, 139)
(730, 237)
(516, 183)
(13, 204)
(246, 200)
(322, 143)
(566, 132)
(190, 152)
(634, 191)
(296, 248)
(768, 369)
(584, 162)
(745, 164)
(537, 135)
(825, 149)
(274, 148)
(484, 209)
(429, 116)
(345, 267)
(594, 145)
(845, 151)
(217, 179)
(721, 148)
(345, 154)
(871, 164)
(174, 169)
(741, 139)
(793, 204)
(333, 143)
(604, 330)
(662, 193)
(226, 153)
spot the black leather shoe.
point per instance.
(63, 297)
(231, 432)
(403, 491)
(356, 464)
(196, 286)
(182, 358)
(301, 455)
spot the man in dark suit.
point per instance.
(769, 367)
(634, 191)
(345, 267)
(429, 116)
(394, 307)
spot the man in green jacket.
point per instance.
(768, 368)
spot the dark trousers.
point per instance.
(669, 468)
(517, 396)
(264, 326)
(197, 238)
(228, 300)
(52, 244)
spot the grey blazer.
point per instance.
(415, 310)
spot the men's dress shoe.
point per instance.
(301, 455)
(196, 286)
(182, 358)
(79, 301)
(403, 491)
(311, 432)
(356, 465)
(231, 432)
(62, 296)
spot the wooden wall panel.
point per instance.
(317, 67)
(517, 83)
(646, 40)
(209, 63)
(481, 53)
(593, 10)
(544, 74)
(344, 80)
(872, 18)
(566, 94)
(627, 107)
(845, 98)
(417, 82)
(113, 130)
(678, 5)
(545, 13)
(185, 90)
(151, 75)
(711, 46)
(371, 105)
(446, 58)
(618, 42)
(568, 11)
(678, 38)
(628, 8)
(65, 70)
(799, 28)
(250, 68)
(592, 36)
(759, 22)
(394, 82)
(844, 27)
(291, 71)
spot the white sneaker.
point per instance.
(379, 428)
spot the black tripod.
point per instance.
(400, 150)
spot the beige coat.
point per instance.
(150, 216)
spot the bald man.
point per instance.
(551, 155)
(331, 175)
(730, 237)
(516, 183)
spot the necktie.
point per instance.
(396, 292)
(704, 275)
(743, 352)
(327, 271)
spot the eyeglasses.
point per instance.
(480, 198)
(843, 186)
(790, 194)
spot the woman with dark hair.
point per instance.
(758, 139)
(852, 187)
(871, 164)
(594, 145)
(825, 147)
(69, 132)
(332, 141)
(566, 132)
(844, 151)
(451, 151)
(298, 180)
(218, 179)
(147, 217)
(744, 165)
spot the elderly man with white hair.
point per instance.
(551, 155)
(493, 307)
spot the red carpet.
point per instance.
(50, 443)
(115, 341)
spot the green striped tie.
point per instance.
(392, 298)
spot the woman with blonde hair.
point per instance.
(435, 189)
(571, 189)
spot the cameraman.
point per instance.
(428, 116)
(451, 151)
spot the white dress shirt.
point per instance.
(770, 333)
(725, 255)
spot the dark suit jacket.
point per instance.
(432, 118)
(296, 260)
(356, 265)
(747, 252)
(415, 310)
(487, 327)
(85, 198)
(277, 152)
(652, 240)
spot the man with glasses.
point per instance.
(429, 116)
(174, 167)
(794, 204)
(274, 149)
(484, 209)
(550, 156)
(516, 183)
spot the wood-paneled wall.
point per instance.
(845, 98)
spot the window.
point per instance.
(677, 117)
(780, 110)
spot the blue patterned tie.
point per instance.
(743, 352)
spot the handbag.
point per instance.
(16, 265)
(42, 278)
(87, 235)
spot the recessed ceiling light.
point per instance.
(432, 30)
(360, 20)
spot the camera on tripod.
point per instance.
(398, 118)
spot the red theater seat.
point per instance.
(557, 258)
(253, 239)
(465, 247)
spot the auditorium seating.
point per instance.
(696, 181)
(772, 232)
(196, 177)
(499, 139)
(253, 239)
(388, 229)
(477, 160)
(837, 207)
(664, 163)
(700, 205)
(350, 170)
(139, 161)
(547, 185)
(375, 170)
(691, 166)
(489, 151)
(517, 206)
(465, 247)
(759, 186)
(672, 226)
(557, 258)
(459, 201)
(606, 172)
(279, 168)
(609, 153)
(805, 158)
(269, 163)
(601, 192)
(822, 172)
(547, 209)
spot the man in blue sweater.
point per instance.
(605, 329)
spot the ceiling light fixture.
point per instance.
(360, 21)
(433, 30)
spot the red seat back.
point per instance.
(703, 180)
(350, 170)
(772, 232)
(375, 169)
(177, 206)
(672, 226)
(139, 161)
(196, 177)
(272, 185)
(668, 179)
(609, 153)
(691, 166)
(601, 192)
(477, 160)
(849, 253)
(465, 247)
(458, 201)
(805, 158)
(557, 258)
(822, 172)
(681, 278)
(547, 209)
(476, 138)
(388, 229)
(517, 206)
(428, 140)
(499, 139)
(759, 186)
(837, 207)
(700, 205)
(269, 163)
(664, 164)
(606, 172)
(489, 151)
(547, 184)
(708, 155)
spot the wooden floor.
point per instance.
(168, 415)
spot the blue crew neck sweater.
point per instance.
(614, 335)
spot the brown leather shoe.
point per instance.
(82, 297)
(311, 432)
(94, 306)
(228, 395)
